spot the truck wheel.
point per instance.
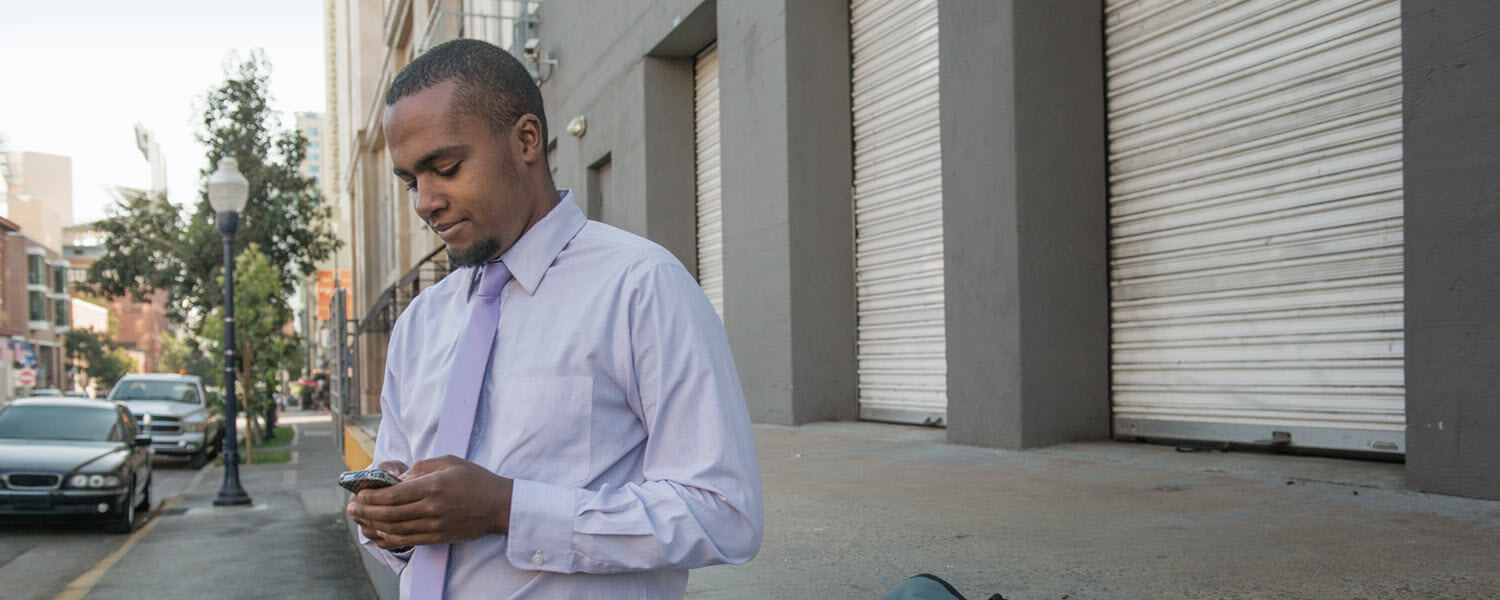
(198, 459)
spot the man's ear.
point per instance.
(528, 138)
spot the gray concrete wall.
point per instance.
(627, 68)
(1024, 217)
(634, 108)
(788, 222)
(1451, 63)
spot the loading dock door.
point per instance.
(710, 212)
(1256, 222)
(898, 211)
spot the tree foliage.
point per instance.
(104, 362)
(185, 354)
(151, 244)
(262, 346)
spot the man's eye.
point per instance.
(411, 186)
(450, 171)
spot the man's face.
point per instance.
(462, 175)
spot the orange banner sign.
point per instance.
(325, 293)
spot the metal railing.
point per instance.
(504, 23)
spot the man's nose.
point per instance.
(427, 201)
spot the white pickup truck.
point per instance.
(174, 411)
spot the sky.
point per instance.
(76, 76)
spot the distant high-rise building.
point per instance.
(315, 128)
(39, 195)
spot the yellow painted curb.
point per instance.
(359, 447)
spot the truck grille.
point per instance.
(48, 481)
(161, 424)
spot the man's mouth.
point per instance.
(443, 229)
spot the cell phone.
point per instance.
(368, 479)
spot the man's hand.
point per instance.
(439, 501)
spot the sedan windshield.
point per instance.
(57, 423)
(174, 391)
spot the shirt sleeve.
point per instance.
(390, 444)
(700, 501)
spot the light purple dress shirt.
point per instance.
(612, 401)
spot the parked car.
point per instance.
(46, 393)
(175, 411)
(70, 456)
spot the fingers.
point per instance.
(394, 467)
(433, 465)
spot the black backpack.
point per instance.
(926, 587)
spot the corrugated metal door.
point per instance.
(706, 140)
(898, 211)
(1256, 221)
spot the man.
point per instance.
(610, 450)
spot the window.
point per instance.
(40, 422)
(312, 145)
(312, 131)
(313, 169)
(35, 274)
(59, 280)
(60, 313)
(171, 391)
(313, 157)
(38, 305)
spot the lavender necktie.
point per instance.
(456, 420)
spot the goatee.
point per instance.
(476, 254)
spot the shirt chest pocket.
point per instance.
(541, 428)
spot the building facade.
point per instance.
(36, 311)
(35, 300)
(1029, 223)
(139, 327)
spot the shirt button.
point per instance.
(476, 428)
(537, 558)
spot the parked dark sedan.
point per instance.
(74, 456)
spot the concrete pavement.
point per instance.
(290, 543)
(854, 508)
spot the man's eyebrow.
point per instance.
(426, 162)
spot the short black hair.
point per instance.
(492, 84)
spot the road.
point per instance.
(39, 556)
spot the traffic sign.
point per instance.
(26, 377)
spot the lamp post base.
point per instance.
(230, 493)
(240, 499)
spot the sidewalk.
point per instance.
(854, 508)
(290, 543)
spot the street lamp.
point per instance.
(227, 192)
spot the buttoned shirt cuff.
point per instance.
(541, 527)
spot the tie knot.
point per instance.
(494, 278)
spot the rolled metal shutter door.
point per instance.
(710, 213)
(898, 211)
(1256, 222)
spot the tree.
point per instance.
(151, 244)
(104, 362)
(186, 354)
(262, 346)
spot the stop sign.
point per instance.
(26, 377)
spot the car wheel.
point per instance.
(125, 521)
(198, 459)
(145, 504)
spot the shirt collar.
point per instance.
(530, 257)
